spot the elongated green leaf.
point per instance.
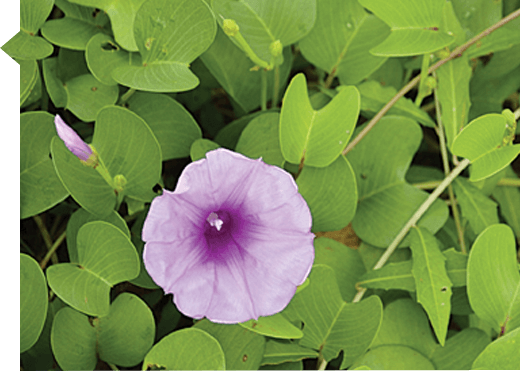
(33, 302)
(405, 323)
(242, 349)
(29, 74)
(263, 21)
(279, 351)
(415, 26)
(478, 209)
(501, 354)
(173, 126)
(350, 31)
(493, 278)
(330, 193)
(330, 324)
(481, 143)
(105, 257)
(386, 201)
(316, 137)
(374, 97)
(40, 187)
(76, 28)
(187, 349)
(393, 357)
(460, 350)
(122, 16)
(275, 326)
(508, 199)
(431, 280)
(169, 34)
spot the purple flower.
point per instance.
(232, 242)
(72, 140)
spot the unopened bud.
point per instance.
(230, 27)
(431, 83)
(119, 183)
(276, 48)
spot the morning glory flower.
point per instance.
(72, 140)
(232, 242)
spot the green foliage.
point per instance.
(152, 85)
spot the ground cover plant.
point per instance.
(269, 184)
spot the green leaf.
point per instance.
(232, 69)
(460, 350)
(298, 365)
(350, 32)
(501, 39)
(481, 143)
(122, 16)
(228, 136)
(415, 26)
(453, 94)
(508, 199)
(170, 35)
(374, 96)
(261, 138)
(281, 351)
(29, 74)
(316, 137)
(330, 324)
(502, 354)
(33, 302)
(187, 349)
(128, 147)
(106, 257)
(54, 85)
(75, 30)
(476, 15)
(493, 278)
(173, 126)
(40, 187)
(345, 261)
(263, 21)
(200, 147)
(405, 323)
(275, 326)
(103, 56)
(122, 337)
(394, 357)
(391, 73)
(431, 280)
(243, 350)
(386, 201)
(86, 96)
(330, 193)
(478, 209)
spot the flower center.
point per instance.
(214, 221)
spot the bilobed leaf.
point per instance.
(170, 34)
(460, 350)
(493, 278)
(76, 28)
(187, 349)
(281, 351)
(122, 16)
(263, 21)
(481, 143)
(40, 187)
(33, 302)
(242, 349)
(173, 126)
(374, 96)
(275, 326)
(350, 32)
(479, 210)
(331, 194)
(105, 257)
(502, 354)
(330, 324)
(29, 74)
(316, 137)
(415, 26)
(431, 280)
(386, 201)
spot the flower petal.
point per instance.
(72, 140)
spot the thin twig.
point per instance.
(52, 250)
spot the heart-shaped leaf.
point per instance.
(316, 138)
(105, 257)
(33, 302)
(169, 34)
(415, 26)
(481, 143)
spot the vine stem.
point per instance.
(45, 235)
(504, 182)
(263, 93)
(276, 89)
(414, 219)
(52, 250)
(457, 52)
(322, 363)
(126, 96)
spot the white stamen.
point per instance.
(214, 221)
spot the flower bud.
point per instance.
(276, 48)
(75, 144)
(230, 27)
(119, 183)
